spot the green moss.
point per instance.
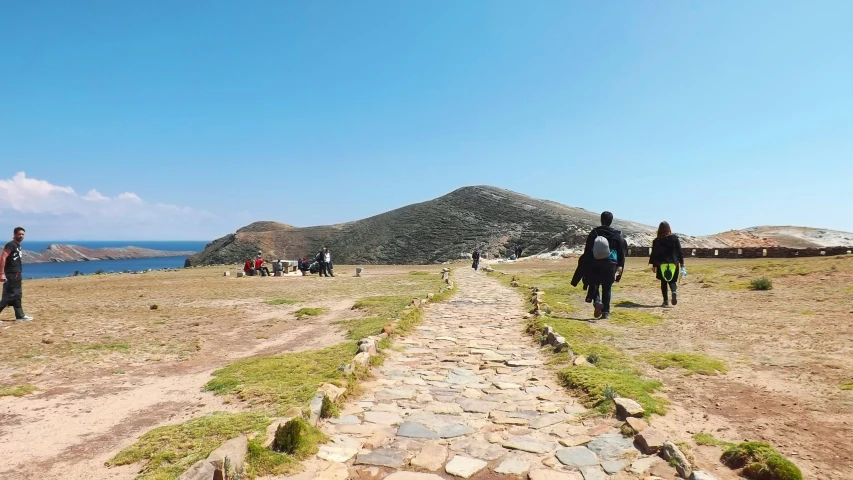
(16, 390)
(329, 409)
(760, 461)
(594, 380)
(281, 301)
(261, 461)
(310, 312)
(690, 362)
(298, 438)
(846, 385)
(635, 319)
(762, 283)
(171, 449)
(282, 381)
(708, 439)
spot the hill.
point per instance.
(433, 231)
(76, 253)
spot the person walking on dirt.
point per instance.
(324, 260)
(11, 270)
(667, 260)
(605, 250)
(476, 257)
(518, 250)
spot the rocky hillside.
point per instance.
(445, 228)
(74, 253)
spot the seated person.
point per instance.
(303, 265)
(249, 268)
(259, 266)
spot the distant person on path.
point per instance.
(11, 271)
(667, 260)
(605, 250)
(476, 257)
(518, 250)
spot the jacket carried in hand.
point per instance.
(587, 261)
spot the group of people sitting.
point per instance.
(256, 267)
(322, 264)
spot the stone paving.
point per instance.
(467, 396)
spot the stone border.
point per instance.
(234, 451)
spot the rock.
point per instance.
(577, 457)
(524, 363)
(662, 471)
(235, 450)
(332, 391)
(240, 274)
(227, 274)
(416, 430)
(612, 446)
(455, 431)
(362, 358)
(383, 418)
(640, 466)
(593, 473)
(636, 424)
(461, 377)
(336, 471)
(538, 390)
(200, 470)
(575, 440)
(580, 360)
(412, 476)
(478, 448)
(431, 458)
(337, 454)
(382, 457)
(513, 465)
(697, 475)
(650, 441)
(542, 421)
(625, 407)
(548, 474)
(528, 444)
(358, 271)
(345, 420)
(614, 466)
(315, 407)
(472, 405)
(395, 394)
(464, 467)
(671, 453)
(445, 408)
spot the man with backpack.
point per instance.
(605, 250)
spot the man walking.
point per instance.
(606, 250)
(11, 269)
(476, 257)
(324, 259)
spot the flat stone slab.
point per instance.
(644, 464)
(524, 363)
(455, 431)
(626, 407)
(542, 421)
(383, 418)
(445, 408)
(528, 444)
(416, 430)
(412, 476)
(478, 448)
(614, 466)
(336, 454)
(593, 473)
(431, 458)
(345, 420)
(395, 394)
(613, 446)
(382, 457)
(577, 457)
(548, 474)
(513, 465)
(472, 405)
(464, 467)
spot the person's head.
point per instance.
(664, 230)
(606, 219)
(325, 249)
(18, 234)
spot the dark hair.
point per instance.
(18, 229)
(664, 230)
(606, 219)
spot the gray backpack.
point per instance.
(600, 248)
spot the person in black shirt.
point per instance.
(604, 271)
(666, 260)
(476, 257)
(11, 269)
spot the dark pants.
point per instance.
(326, 269)
(12, 294)
(604, 274)
(673, 286)
(476, 264)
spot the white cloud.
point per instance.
(51, 211)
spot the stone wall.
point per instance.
(753, 252)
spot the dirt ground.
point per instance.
(109, 366)
(788, 351)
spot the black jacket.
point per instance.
(666, 250)
(475, 255)
(614, 238)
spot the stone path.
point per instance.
(467, 396)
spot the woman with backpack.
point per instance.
(667, 261)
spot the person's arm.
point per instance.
(678, 251)
(3, 257)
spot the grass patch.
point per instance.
(310, 312)
(383, 305)
(420, 273)
(282, 381)
(281, 301)
(17, 390)
(593, 381)
(690, 362)
(708, 439)
(635, 319)
(328, 409)
(762, 283)
(298, 438)
(108, 346)
(261, 461)
(846, 385)
(760, 461)
(171, 449)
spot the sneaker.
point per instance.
(25, 318)
(605, 315)
(598, 307)
(674, 299)
(665, 304)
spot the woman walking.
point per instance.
(667, 260)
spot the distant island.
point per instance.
(75, 253)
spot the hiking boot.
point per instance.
(598, 307)
(25, 318)
(605, 315)
(665, 304)
(674, 299)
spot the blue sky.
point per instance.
(186, 120)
